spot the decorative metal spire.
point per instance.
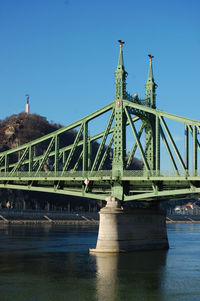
(119, 142)
(121, 59)
(151, 85)
(150, 76)
(120, 75)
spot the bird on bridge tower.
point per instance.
(150, 139)
(119, 144)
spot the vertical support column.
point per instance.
(186, 149)
(64, 157)
(119, 140)
(119, 144)
(119, 150)
(6, 163)
(150, 141)
(30, 162)
(56, 157)
(194, 150)
(89, 155)
(157, 145)
(18, 152)
(85, 146)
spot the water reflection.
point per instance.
(141, 274)
(106, 282)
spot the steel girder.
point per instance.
(29, 173)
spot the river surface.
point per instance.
(52, 263)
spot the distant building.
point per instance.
(187, 209)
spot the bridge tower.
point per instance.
(119, 143)
(122, 228)
(152, 150)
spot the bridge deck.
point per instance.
(127, 175)
(142, 185)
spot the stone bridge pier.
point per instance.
(124, 229)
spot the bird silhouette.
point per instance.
(150, 56)
(121, 42)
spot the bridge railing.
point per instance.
(100, 174)
(57, 174)
(161, 173)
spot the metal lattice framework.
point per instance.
(84, 168)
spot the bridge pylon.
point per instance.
(122, 228)
(152, 142)
(120, 119)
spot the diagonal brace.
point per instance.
(134, 147)
(168, 150)
(66, 165)
(20, 161)
(172, 143)
(137, 139)
(78, 161)
(45, 156)
(103, 141)
(106, 152)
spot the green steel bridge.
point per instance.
(73, 169)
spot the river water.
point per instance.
(52, 263)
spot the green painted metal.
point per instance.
(194, 149)
(132, 154)
(78, 136)
(186, 148)
(108, 148)
(56, 156)
(138, 141)
(150, 131)
(157, 144)
(119, 144)
(50, 164)
(151, 87)
(169, 151)
(172, 143)
(102, 144)
(30, 158)
(45, 156)
(78, 162)
(85, 146)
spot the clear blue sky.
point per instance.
(64, 53)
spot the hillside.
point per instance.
(21, 128)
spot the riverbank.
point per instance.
(182, 219)
(72, 218)
(46, 217)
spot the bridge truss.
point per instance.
(83, 167)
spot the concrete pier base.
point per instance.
(124, 229)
